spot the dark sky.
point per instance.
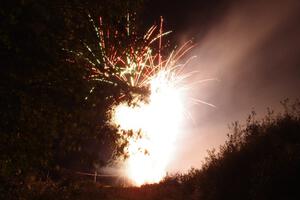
(252, 47)
(190, 17)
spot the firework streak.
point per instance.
(137, 62)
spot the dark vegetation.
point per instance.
(48, 131)
(259, 160)
(47, 126)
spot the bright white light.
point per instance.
(159, 121)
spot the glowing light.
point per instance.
(138, 63)
(158, 122)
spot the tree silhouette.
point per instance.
(47, 128)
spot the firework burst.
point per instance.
(149, 126)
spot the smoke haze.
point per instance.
(253, 49)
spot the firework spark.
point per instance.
(154, 123)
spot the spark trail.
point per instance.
(149, 126)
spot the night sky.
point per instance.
(251, 47)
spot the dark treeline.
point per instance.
(48, 130)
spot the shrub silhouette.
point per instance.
(260, 160)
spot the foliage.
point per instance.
(46, 125)
(259, 160)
